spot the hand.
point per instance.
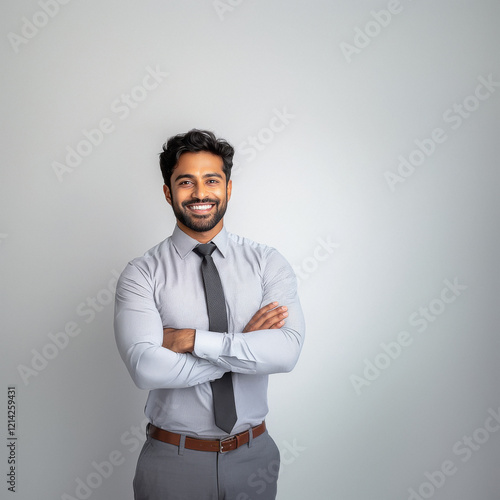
(181, 341)
(269, 317)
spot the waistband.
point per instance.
(219, 445)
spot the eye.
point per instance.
(213, 181)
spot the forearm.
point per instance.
(179, 340)
(155, 367)
(139, 337)
(272, 340)
(260, 352)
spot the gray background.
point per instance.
(232, 65)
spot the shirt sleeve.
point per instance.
(262, 351)
(139, 338)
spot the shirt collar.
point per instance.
(184, 244)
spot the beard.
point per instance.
(197, 222)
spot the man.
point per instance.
(201, 320)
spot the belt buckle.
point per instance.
(221, 444)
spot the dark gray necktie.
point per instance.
(222, 388)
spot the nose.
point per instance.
(199, 190)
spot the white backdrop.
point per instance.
(367, 153)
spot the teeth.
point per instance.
(201, 207)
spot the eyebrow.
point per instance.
(190, 176)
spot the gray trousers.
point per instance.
(168, 472)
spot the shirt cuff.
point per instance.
(208, 345)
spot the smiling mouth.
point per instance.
(201, 208)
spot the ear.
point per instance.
(229, 189)
(168, 194)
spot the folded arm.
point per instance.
(268, 317)
(139, 337)
(261, 349)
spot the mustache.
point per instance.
(199, 201)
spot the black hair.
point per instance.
(194, 141)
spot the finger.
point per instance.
(263, 311)
(270, 317)
(277, 325)
(257, 318)
(278, 317)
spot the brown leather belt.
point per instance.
(218, 445)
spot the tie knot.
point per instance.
(204, 249)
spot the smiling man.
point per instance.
(201, 321)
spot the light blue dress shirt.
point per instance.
(164, 288)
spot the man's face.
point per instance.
(198, 192)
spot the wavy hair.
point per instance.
(194, 141)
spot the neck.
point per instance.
(202, 237)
